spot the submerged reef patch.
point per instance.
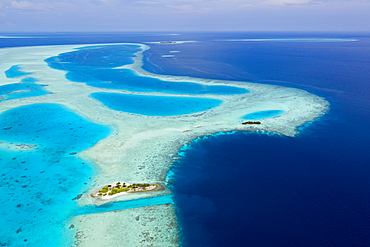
(155, 105)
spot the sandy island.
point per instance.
(117, 189)
(142, 148)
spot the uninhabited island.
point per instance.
(120, 188)
(252, 122)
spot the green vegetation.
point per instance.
(104, 190)
(118, 188)
(252, 122)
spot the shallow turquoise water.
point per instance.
(37, 186)
(144, 202)
(15, 71)
(128, 80)
(95, 67)
(29, 80)
(155, 105)
(263, 114)
(108, 56)
(27, 88)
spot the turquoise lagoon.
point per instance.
(38, 184)
(97, 67)
(16, 71)
(155, 105)
(263, 114)
(27, 88)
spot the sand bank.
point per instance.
(142, 148)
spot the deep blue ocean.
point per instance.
(254, 189)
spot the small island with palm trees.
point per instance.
(121, 188)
